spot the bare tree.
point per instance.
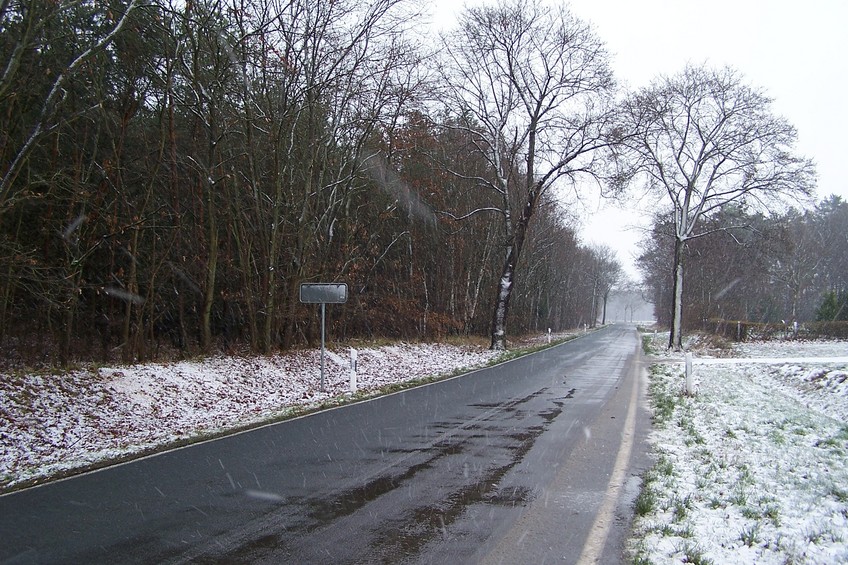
(530, 82)
(605, 274)
(704, 138)
(797, 267)
(832, 213)
(351, 72)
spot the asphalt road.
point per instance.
(533, 461)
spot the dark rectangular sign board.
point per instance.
(323, 293)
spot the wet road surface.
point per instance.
(503, 465)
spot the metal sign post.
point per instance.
(323, 294)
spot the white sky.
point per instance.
(797, 52)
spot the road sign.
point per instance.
(323, 293)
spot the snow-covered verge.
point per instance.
(754, 468)
(55, 423)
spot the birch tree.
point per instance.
(704, 138)
(530, 82)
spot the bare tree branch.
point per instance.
(56, 93)
(706, 139)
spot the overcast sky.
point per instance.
(796, 52)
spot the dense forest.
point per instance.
(172, 171)
(778, 269)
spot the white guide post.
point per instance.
(323, 316)
(353, 356)
(690, 387)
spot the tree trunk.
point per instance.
(244, 251)
(293, 301)
(593, 312)
(211, 271)
(502, 300)
(675, 339)
(604, 315)
(273, 274)
(472, 302)
(67, 331)
(507, 280)
(128, 353)
(8, 287)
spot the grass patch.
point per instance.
(646, 502)
(692, 553)
(693, 436)
(647, 344)
(715, 503)
(739, 496)
(663, 400)
(836, 443)
(664, 466)
(839, 493)
(822, 534)
(681, 507)
(777, 438)
(772, 512)
(750, 536)
(639, 554)
(640, 559)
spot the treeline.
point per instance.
(171, 173)
(776, 269)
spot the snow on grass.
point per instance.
(754, 468)
(52, 423)
(55, 423)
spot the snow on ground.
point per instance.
(52, 423)
(754, 468)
